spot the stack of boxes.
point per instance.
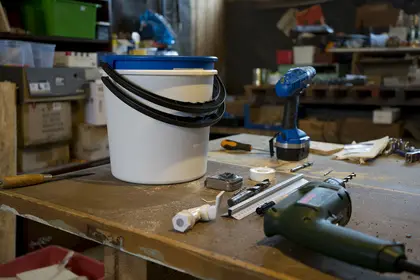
(60, 112)
(44, 116)
(90, 141)
(44, 135)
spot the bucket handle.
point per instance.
(190, 122)
(185, 107)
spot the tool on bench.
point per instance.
(328, 172)
(299, 167)
(259, 174)
(314, 215)
(334, 181)
(186, 219)
(248, 193)
(247, 207)
(224, 182)
(19, 181)
(238, 146)
(292, 144)
(411, 157)
(402, 148)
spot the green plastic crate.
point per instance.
(60, 18)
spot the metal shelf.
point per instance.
(375, 50)
(62, 43)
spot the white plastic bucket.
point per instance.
(148, 151)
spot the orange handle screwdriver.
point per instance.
(237, 146)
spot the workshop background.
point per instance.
(365, 54)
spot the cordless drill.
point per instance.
(292, 144)
(314, 216)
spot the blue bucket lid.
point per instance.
(149, 62)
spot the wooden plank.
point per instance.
(7, 165)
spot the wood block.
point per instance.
(8, 149)
(325, 149)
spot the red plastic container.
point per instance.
(284, 57)
(78, 264)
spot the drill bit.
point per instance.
(328, 172)
(350, 177)
(299, 167)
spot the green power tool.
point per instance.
(314, 216)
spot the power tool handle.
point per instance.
(354, 247)
(10, 182)
(235, 146)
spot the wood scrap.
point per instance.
(8, 152)
(325, 149)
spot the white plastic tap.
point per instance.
(186, 219)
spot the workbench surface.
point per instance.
(137, 219)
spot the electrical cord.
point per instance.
(406, 265)
(191, 122)
(186, 107)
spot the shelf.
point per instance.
(374, 50)
(385, 60)
(63, 43)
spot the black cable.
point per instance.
(408, 266)
(186, 107)
(191, 122)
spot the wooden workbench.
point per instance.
(136, 219)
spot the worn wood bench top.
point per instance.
(137, 218)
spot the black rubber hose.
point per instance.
(191, 122)
(186, 107)
(408, 266)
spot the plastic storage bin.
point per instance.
(78, 264)
(60, 18)
(43, 55)
(16, 53)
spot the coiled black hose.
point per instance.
(187, 107)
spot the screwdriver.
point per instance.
(19, 181)
(238, 146)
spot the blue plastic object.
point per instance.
(294, 81)
(163, 32)
(137, 62)
(292, 144)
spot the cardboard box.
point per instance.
(38, 158)
(319, 130)
(95, 113)
(76, 59)
(267, 114)
(376, 15)
(360, 129)
(46, 84)
(42, 123)
(386, 115)
(91, 142)
(236, 107)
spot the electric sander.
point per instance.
(292, 144)
(314, 216)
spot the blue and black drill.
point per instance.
(292, 144)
